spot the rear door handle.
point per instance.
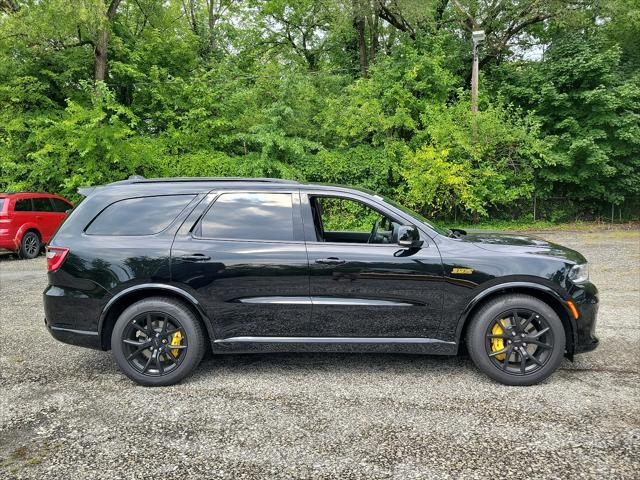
(330, 261)
(196, 257)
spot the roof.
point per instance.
(204, 182)
(29, 194)
(138, 179)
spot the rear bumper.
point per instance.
(8, 243)
(71, 316)
(80, 338)
(586, 300)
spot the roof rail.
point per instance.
(140, 179)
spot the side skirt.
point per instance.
(429, 346)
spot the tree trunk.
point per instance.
(102, 43)
(100, 52)
(212, 24)
(359, 25)
(9, 6)
(374, 33)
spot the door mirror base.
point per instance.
(409, 237)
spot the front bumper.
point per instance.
(585, 297)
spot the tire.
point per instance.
(508, 368)
(157, 369)
(30, 245)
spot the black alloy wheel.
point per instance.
(516, 339)
(154, 343)
(158, 341)
(30, 245)
(519, 341)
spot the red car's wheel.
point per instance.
(30, 245)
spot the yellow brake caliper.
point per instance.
(497, 344)
(176, 340)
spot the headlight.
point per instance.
(579, 273)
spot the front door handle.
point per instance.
(330, 261)
(196, 257)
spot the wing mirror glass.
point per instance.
(408, 236)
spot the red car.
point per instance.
(28, 220)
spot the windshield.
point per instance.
(442, 231)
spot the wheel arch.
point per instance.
(541, 292)
(27, 227)
(117, 304)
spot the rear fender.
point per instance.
(137, 292)
(23, 229)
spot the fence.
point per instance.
(571, 209)
(557, 209)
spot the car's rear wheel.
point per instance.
(158, 341)
(516, 339)
(30, 245)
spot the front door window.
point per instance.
(344, 220)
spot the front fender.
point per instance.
(560, 298)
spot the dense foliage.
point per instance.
(373, 93)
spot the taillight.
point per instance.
(55, 257)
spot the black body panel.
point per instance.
(303, 294)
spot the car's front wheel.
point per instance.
(516, 339)
(158, 341)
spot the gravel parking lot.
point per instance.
(67, 412)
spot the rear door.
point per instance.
(22, 213)
(245, 259)
(61, 209)
(46, 217)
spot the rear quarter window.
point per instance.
(138, 216)
(60, 205)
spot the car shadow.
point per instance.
(7, 256)
(327, 362)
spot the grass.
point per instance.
(24, 456)
(528, 225)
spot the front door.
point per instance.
(362, 283)
(245, 261)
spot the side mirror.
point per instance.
(408, 236)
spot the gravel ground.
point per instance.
(67, 412)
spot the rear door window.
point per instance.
(138, 216)
(23, 205)
(42, 205)
(250, 216)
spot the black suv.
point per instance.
(157, 270)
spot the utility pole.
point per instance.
(478, 37)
